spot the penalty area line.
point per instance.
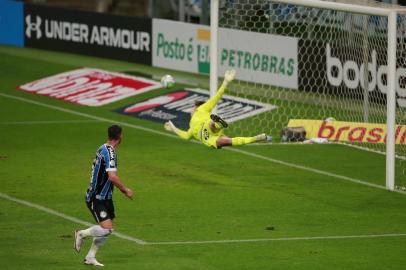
(66, 217)
(280, 162)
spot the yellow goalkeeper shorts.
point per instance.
(208, 137)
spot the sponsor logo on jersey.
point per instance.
(112, 153)
(103, 214)
(90, 87)
(112, 163)
(177, 107)
(205, 134)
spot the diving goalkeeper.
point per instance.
(209, 128)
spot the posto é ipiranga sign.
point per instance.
(257, 57)
(348, 131)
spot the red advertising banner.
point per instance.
(90, 87)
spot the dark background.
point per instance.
(91, 19)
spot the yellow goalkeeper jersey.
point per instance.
(201, 117)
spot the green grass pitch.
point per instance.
(256, 207)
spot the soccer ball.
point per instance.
(167, 81)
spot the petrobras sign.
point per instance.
(261, 58)
(350, 74)
(177, 107)
(118, 37)
(257, 57)
(90, 87)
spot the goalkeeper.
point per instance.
(209, 128)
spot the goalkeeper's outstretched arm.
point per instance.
(209, 105)
(169, 126)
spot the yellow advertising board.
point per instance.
(348, 131)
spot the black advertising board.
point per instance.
(89, 33)
(337, 68)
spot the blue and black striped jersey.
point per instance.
(100, 187)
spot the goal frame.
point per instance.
(390, 13)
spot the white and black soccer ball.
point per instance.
(167, 81)
(330, 119)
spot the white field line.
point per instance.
(305, 168)
(142, 242)
(280, 239)
(61, 215)
(237, 150)
(339, 143)
(50, 122)
(369, 150)
(88, 115)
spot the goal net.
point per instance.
(315, 64)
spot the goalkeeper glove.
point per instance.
(169, 126)
(229, 77)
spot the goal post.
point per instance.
(391, 102)
(214, 11)
(365, 87)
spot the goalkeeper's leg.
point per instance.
(226, 141)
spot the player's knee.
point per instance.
(100, 241)
(108, 228)
(223, 141)
(104, 232)
(107, 225)
(107, 232)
